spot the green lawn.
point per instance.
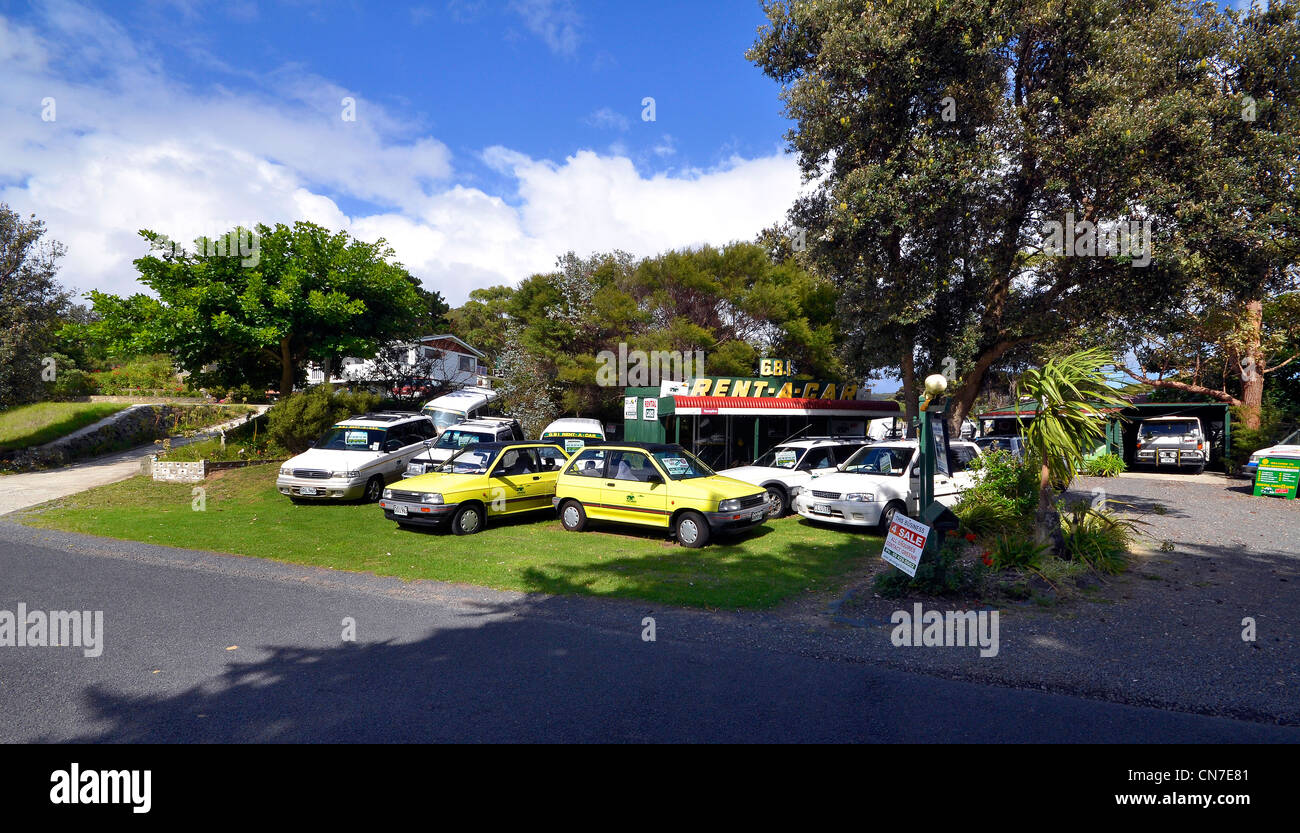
(245, 514)
(29, 425)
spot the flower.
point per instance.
(970, 536)
(987, 559)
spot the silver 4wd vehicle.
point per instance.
(456, 437)
(1172, 443)
(356, 458)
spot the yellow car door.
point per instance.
(634, 490)
(583, 481)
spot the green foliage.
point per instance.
(1246, 441)
(941, 137)
(302, 293)
(1098, 537)
(1104, 465)
(31, 302)
(150, 374)
(1016, 552)
(298, 420)
(1003, 497)
(1069, 394)
(546, 337)
(942, 574)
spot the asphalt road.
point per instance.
(202, 647)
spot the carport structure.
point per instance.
(1122, 426)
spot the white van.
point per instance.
(573, 433)
(460, 405)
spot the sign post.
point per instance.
(905, 543)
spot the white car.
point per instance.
(792, 464)
(573, 433)
(469, 432)
(356, 458)
(880, 480)
(1289, 447)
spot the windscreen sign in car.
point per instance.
(905, 543)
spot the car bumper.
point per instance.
(331, 489)
(1181, 458)
(848, 512)
(736, 521)
(422, 514)
(1250, 469)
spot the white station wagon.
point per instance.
(880, 480)
(356, 458)
(792, 464)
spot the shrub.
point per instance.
(1105, 465)
(296, 421)
(941, 574)
(143, 373)
(1098, 537)
(1004, 496)
(1017, 552)
(72, 383)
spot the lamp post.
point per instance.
(935, 385)
(932, 513)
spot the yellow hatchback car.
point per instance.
(480, 481)
(655, 484)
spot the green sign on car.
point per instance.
(1278, 476)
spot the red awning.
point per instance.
(786, 406)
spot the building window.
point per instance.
(467, 364)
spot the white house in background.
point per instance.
(452, 362)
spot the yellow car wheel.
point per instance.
(691, 530)
(572, 516)
(468, 519)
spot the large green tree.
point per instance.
(1234, 204)
(732, 304)
(940, 138)
(306, 294)
(31, 302)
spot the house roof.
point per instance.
(450, 337)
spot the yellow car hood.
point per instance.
(714, 488)
(443, 483)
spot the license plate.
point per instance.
(399, 509)
(822, 508)
(757, 514)
(1168, 456)
(307, 490)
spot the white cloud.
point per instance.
(131, 150)
(608, 119)
(556, 22)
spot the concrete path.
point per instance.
(19, 491)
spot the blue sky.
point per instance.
(489, 137)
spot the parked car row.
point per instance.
(482, 468)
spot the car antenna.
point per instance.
(795, 434)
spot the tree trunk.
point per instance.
(286, 368)
(911, 406)
(963, 399)
(1252, 368)
(1047, 521)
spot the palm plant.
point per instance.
(1070, 394)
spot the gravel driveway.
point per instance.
(1168, 633)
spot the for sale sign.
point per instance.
(1279, 476)
(905, 543)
